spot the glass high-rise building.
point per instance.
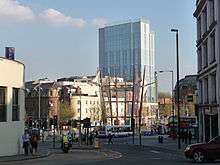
(125, 46)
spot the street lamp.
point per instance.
(177, 84)
(39, 97)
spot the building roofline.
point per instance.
(12, 60)
(126, 22)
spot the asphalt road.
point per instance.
(123, 155)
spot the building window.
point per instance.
(199, 52)
(78, 102)
(212, 46)
(206, 90)
(212, 11)
(198, 28)
(213, 86)
(78, 110)
(204, 13)
(200, 92)
(15, 105)
(205, 55)
(86, 110)
(51, 93)
(86, 102)
(3, 110)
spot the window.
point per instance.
(86, 110)
(205, 55)
(204, 20)
(206, 90)
(199, 52)
(15, 105)
(213, 86)
(212, 46)
(198, 28)
(78, 110)
(86, 102)
(78, 102)
(3, 110)
(212, 11)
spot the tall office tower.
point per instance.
(128, 47)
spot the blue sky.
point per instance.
(59, 38)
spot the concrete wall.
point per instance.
(12, 76)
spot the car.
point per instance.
(202, 152)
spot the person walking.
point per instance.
(26, 140)
(34, 143)
(190, 137)
(110, 137)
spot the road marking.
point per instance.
(153, 151)
(156, 158)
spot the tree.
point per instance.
(95, 113)
(164, 95)
(66, 112)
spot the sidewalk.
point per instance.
(43, 151)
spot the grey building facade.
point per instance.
(207, 14)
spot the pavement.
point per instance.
(47, 148)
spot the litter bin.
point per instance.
(160, 139)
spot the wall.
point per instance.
(12, 76)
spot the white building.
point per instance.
(207, 14)
(11, 106)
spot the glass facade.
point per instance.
(125, 46)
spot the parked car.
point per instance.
(201, 152)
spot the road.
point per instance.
(123, 154)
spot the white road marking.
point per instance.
(153, 151)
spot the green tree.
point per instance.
(66, 112)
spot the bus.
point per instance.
(187, 123)
(116, 130)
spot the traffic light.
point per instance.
(69, 123)
(51, 122)
(74, 123)
(132, 123)
(55, 120)
(86, 123)
(30, 122)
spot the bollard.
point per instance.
(97, 143)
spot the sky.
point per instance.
(59, 38)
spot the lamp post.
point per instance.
(39, 99)
(80, 117)
(177, 84)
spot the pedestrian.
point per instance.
(182, 136)
(26, 140)
(185, 136)
(190, 137)
(91, 136)
(110, 137)
(34, 143)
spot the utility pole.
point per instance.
(103, 108)
(80, 118)
(110, 98)
(177, 84)
(141, 104)
(125, 103)
(132, 109)
(116, 93)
